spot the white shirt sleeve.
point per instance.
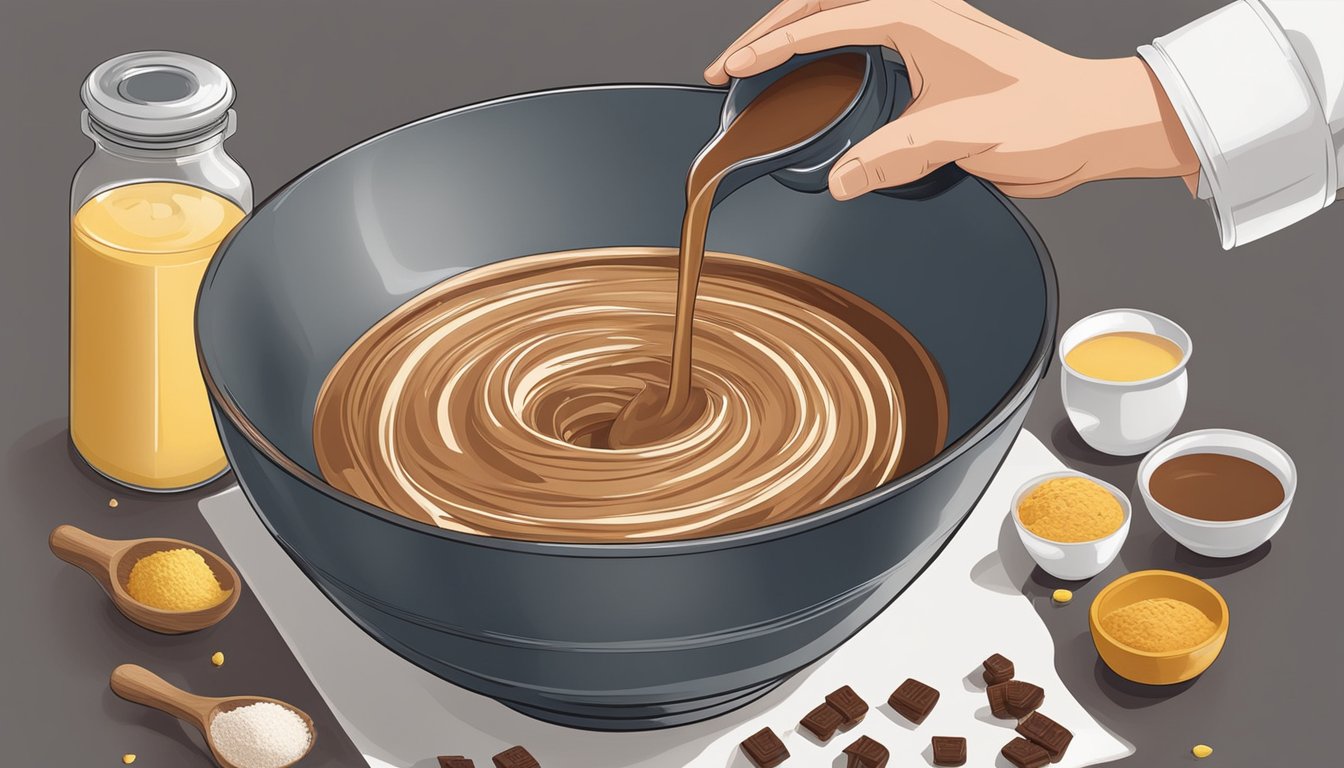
(1259, 87)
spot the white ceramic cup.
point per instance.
(1233, 537)
(1124, 418)
(1072, 561)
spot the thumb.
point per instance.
(900, 152)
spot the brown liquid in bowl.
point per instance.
(481, 404)
(1215, 487)
(557, 397)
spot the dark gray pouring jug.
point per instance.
(882, 97)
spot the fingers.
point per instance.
(832, 28)
(901, 152)
(784, 15)
(1043, 189)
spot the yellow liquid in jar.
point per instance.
(139, 413)
(1124, 356)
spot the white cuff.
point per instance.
(1267, 158)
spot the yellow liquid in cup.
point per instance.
(1124, 356)
(138, 408)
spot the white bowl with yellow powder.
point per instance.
(1072, 524)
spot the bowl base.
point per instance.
(685, 713)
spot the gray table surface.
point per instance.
(317, 75)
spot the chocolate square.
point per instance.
(455, 761)
(1047, 734)
(949, 750)
(998, 700)
(515, 757)
(913, 700)
(998, 669)
(848, 704)
(866, 753)
(1024, 754)
(1023, 698)
(764, 749)
(823, 721)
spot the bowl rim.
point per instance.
(1017, 395)
(1125, 505)
(1219, 633)
(1146, 466)
(1187, 345)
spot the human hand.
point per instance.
(1008, 108)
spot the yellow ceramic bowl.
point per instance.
(1167, 667)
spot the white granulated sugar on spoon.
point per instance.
(261, 735)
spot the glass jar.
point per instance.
(148, 208)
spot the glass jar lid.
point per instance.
(157, 97)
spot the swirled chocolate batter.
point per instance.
(556, 397)
(482, 404)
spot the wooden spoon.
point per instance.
(109, 562)
(137, 684)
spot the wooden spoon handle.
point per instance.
(137, 684)
(84, 550)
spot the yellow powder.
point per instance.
(1158, 625)
(175, 580)
(1070, 509)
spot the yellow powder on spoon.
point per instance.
(1158, 625)
(1070, 509)
(175, 580)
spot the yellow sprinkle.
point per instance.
(1062, 596)
(217, 659)
(113, 504)
(127, 758)
(1202, 750)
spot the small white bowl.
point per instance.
(1072, 561)
(1234, 537)
(1124, 418)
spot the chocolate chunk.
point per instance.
(913, 700)
(823, 721)
(764, 749)
(1023, 698)
(866, 753)
(848, 704)
(1047, 734)
(515, 757)
(998, 669)
(949, 750)
(1024, 754)
(455, 761)
(998, 700)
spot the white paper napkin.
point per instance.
(967, 605)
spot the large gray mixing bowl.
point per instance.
(616, 636)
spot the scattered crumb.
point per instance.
(126, 758)
(1062, 596)
(217, 659)
(1202, 751)
(113, 504)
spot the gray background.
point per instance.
(315, 76)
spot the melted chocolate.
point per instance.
(1215, 487)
